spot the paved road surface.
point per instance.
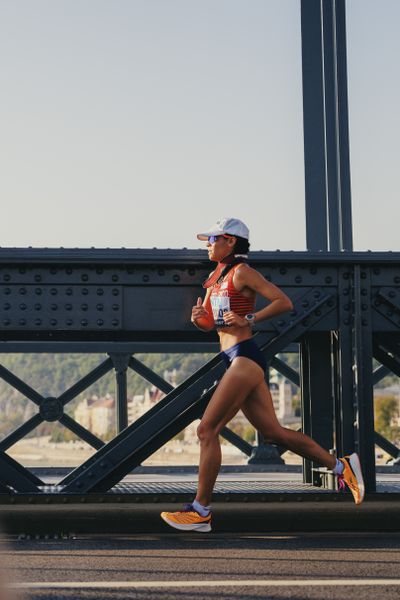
(189, 566)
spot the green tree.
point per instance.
(386, 408)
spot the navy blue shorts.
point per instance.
(248, 349)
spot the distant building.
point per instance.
(282, 398)
(98, 415)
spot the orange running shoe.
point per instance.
(187, 519)
(352, 477)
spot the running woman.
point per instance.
(229, 306)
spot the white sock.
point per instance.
(202, 510)
(338, 468)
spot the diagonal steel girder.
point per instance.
(184, 404)
(17, 477)
(12, 472)
(387, 352)
(63, 399)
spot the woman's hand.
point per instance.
(199, 311)
(231, 318)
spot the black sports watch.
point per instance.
(250, 318)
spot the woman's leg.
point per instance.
(243, 376)
(259, 410)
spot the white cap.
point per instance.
(227, 225)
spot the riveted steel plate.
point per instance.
(60, 307)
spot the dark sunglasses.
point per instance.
(215, 238)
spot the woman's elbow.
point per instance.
(287, 304)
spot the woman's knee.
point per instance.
(205, 432)
(276, 436)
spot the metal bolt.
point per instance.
(85, 291)
(69, 291)
(115, 292)
(99, 291)
(114, 278)
(54, 291)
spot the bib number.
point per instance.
(220, 304)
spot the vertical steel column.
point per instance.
(342, 347)
(314, 126)
(325, 117)
(316, 396)
(363, 376)
(120, 362)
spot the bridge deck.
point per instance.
(176, 486)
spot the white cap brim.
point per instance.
(204, 236)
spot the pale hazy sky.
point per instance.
(137, 123)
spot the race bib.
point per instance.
(220, 304)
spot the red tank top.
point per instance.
(225, 297)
